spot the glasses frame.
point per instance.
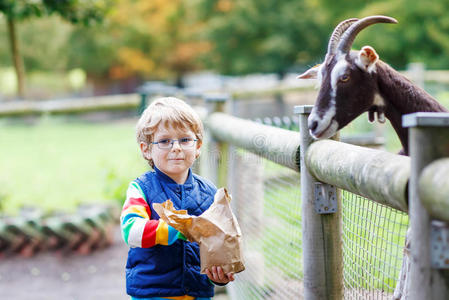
(172, 142)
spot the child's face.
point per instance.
(176, 160)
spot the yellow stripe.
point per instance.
(137, 209)
(162, 235)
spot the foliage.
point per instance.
(152, 39)
(74, 11)
(91, 50)
(85, 12)
(36, 48)
(165, 39)
(421, 34)
(271, 36)
(261, 36)
(115, 185)
(21, 9)
(77, 11)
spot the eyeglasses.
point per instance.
(184, 143)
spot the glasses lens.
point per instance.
(183, 143)
(186, 142)
(164, 144)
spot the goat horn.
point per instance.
(349, 35)
(336, 34)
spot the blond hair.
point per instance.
(168, 111)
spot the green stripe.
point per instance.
(126, 228)
(137, 186)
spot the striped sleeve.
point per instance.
(138, 230)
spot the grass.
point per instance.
(56, 165)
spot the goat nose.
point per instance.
(313, 125)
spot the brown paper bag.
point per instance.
(216, 231)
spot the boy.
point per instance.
(161, 263)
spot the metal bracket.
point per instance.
(439, 244)
(325, 198)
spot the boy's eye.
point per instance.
(164, 141)
(185, 140)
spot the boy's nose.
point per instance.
(175, 145)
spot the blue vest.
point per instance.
(170, 270)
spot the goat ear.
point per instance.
(367, 59)
(310, 73)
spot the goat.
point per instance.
(353, 82)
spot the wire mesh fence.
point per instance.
(266, 197)
(373, 243)
(286, 122)
(267, 202)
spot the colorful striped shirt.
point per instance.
(138, 230)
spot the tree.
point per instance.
(262, 36)
(420, 36)
(159, 40)
(74, 11)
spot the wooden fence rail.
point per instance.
(378, 175)
(69, 106)
(374, 174)
(276, 144)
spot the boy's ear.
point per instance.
(199, 143)
(145, 149)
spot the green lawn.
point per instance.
(57, 165)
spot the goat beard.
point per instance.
(380, 111)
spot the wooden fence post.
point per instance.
(321, 233)
(428, 140)
(213, 164)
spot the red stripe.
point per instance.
(149, 234)
(139, 202)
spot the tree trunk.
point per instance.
(17, 59)
(179, 81)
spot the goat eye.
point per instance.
(344, 78)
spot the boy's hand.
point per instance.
(217, 275)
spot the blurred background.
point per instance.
(82, 48)
(54, 54)
(69, 50)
